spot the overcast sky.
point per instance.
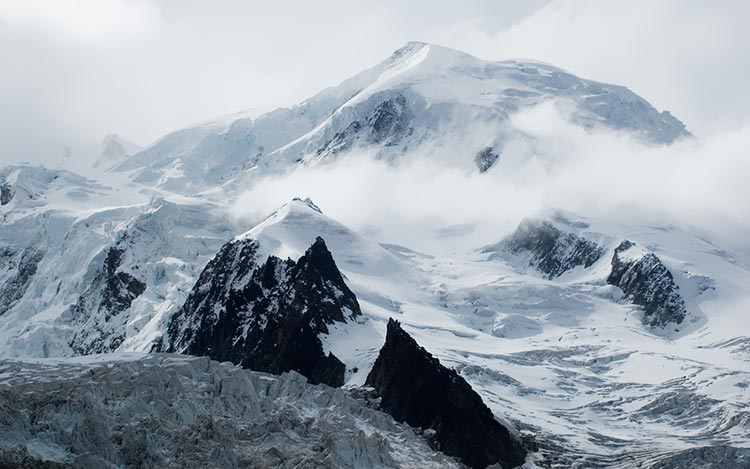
(72, 71)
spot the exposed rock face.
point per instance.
(178, 411)
(265, 316)
(550, 250)
(647, 282)
(98, 311)
(486, 158)
(6, 193)
(415, 388)
(17, 267)
(386, 125)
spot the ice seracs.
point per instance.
(142, 410)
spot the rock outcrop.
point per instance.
(387, 124)
(265, 316)
(17, 267)
(415, 388)
(549, 249)
(6, 193)
(486, 158)
(648, 283)
(98, 312)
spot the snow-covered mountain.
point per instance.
(420, 98)
(576, 341)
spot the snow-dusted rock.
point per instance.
(647, 282)
(547, 248)
(98, 314)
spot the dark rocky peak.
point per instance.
(549, 249)
(265, 315)
(648, 283)
(317, 283)
(415, 388)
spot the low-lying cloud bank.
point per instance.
(701, 185)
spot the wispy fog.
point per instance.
(698, 184)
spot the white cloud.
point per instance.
(699, 185)
(82, 21)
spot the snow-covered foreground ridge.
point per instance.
(607, 342)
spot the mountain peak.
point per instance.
(307, 202)
(421, 95)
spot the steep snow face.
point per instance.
(161, 252)
(422, 97)
(176, 411)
